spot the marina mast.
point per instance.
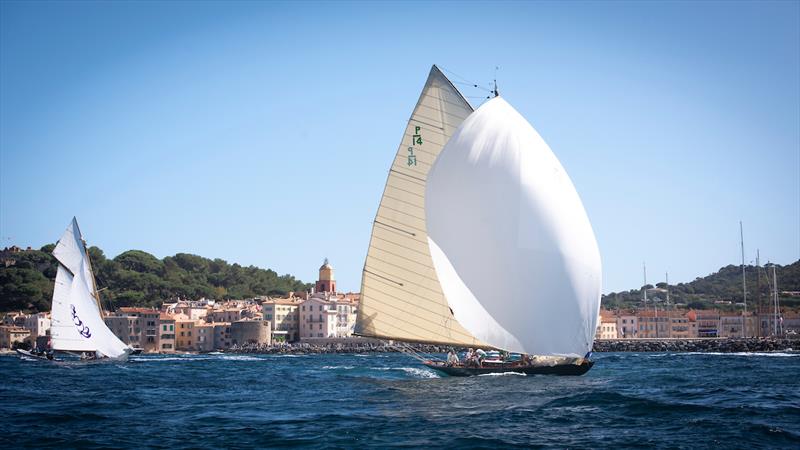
(744, 282)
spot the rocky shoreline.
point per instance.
(339, 347)
(696, 345)
(618, 345)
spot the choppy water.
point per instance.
(668, 400)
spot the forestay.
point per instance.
(511, 242)
(401, 297)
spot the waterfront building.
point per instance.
(652, 324)
(627, 325)
(251, 332)
(606, 325)
(12, 334)
(222, 335)
(121, 327)
(184, 340)
(203, 337)
(283, 316)
(707, 322)
(681, 327)
(166, 337)
(137, 327)
(38, 324)
(731, 325)
(318, 318)
(346, 312)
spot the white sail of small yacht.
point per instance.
(77, 318)
(485, 244)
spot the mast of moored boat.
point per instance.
(669, 312)
(744, 283)
(775, 301)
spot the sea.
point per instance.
(388, 400)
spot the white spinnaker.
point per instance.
(511, 242)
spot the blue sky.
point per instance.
(262, 132)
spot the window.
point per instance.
(171, 328)
(165, 328)
(182, 334)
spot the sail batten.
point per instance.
(400, 294)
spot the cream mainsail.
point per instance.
(77, 318)
(401, 297)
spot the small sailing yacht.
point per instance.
(481, 240)
(77, 317)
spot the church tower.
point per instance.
(326, 282)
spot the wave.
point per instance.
(503, 374)
(415, 371)
(237, 357)
(338, 367)
(768, 354)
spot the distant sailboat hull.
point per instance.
(561, 369)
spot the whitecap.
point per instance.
(503, 374)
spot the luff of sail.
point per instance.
(511, 241)
(401, 297)
(77, 321)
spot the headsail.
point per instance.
(511, 242)
(401, 297)
(77, 320)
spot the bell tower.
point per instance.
(326, 281)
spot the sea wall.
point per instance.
(695, 345)
(335, 347)
(611, 345)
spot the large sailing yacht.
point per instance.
(481, 240)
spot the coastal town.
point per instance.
(318, 316)
(325, 316)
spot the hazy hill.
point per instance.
(137, 278)
(726, 284)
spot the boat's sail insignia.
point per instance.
(513, 247)
(77, 321)
(401, 297)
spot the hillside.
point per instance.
(724, 285)
(137, 278)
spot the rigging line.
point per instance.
(474, 86)
(464, 80)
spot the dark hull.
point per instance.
(28, 354)
(564, 369)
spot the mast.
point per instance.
(774, 301)
(644, 288)
(744, 283)
(669, 312)
(758, 281)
